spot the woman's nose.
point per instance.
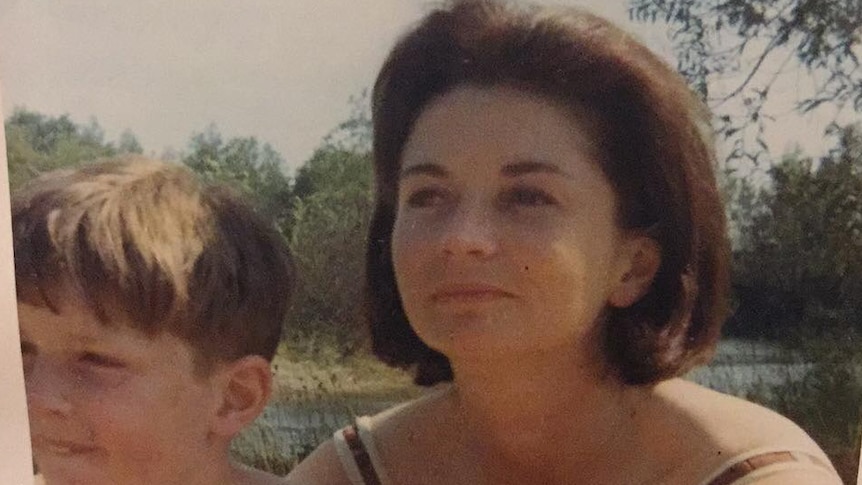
(470, 231)
(47, 386)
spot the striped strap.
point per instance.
(744, 467)
(360, 456)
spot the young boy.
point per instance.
(150, 306)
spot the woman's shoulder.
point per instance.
(731, 423)
(713, 430)
(248, 475)
(321, 467)
(410, 413)
(324, 465)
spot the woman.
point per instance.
(548, 247)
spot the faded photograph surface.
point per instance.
(15, 462)
(125, 124)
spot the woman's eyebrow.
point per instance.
(429, 169)
(524, 167)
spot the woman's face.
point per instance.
(505, 239)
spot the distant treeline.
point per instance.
(797, 236)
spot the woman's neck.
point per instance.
(547, 411)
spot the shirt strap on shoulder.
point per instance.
(361, 456)
(748, 464)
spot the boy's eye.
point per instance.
(528, 197)
(28, 353)
(27, 348)
(425, 198)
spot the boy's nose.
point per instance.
(47, 388)
(470, 231)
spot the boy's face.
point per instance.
(109, 405)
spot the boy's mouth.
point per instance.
(60, 447)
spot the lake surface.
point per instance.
(740, 366)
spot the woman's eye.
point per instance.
(526, 197)
(100, 360)
(425, 198)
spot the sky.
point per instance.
(280, 70)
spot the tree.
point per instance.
(332, 208)
(799, 258)
(749, 44)
(37, 143)
(128, 143)
(253, 168)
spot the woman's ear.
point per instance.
(245, 389)
(640, 258)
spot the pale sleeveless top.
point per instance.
(361, 461)
(753, 465)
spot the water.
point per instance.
(741, 366)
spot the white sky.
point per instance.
(280, 70)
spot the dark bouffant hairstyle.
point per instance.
(657, 149)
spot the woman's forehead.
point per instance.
(523, 132)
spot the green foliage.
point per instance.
(332, 207)
(332, 169)
(753, 42)
(36, 143)
(128, 143)
(255, 169)
(331, 214)
(802, 237)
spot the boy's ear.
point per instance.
(246, 386)
(640, 260)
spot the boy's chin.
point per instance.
(70, 470)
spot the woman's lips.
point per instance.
(469, 293)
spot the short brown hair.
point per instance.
(657, 150)
(151, 241)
